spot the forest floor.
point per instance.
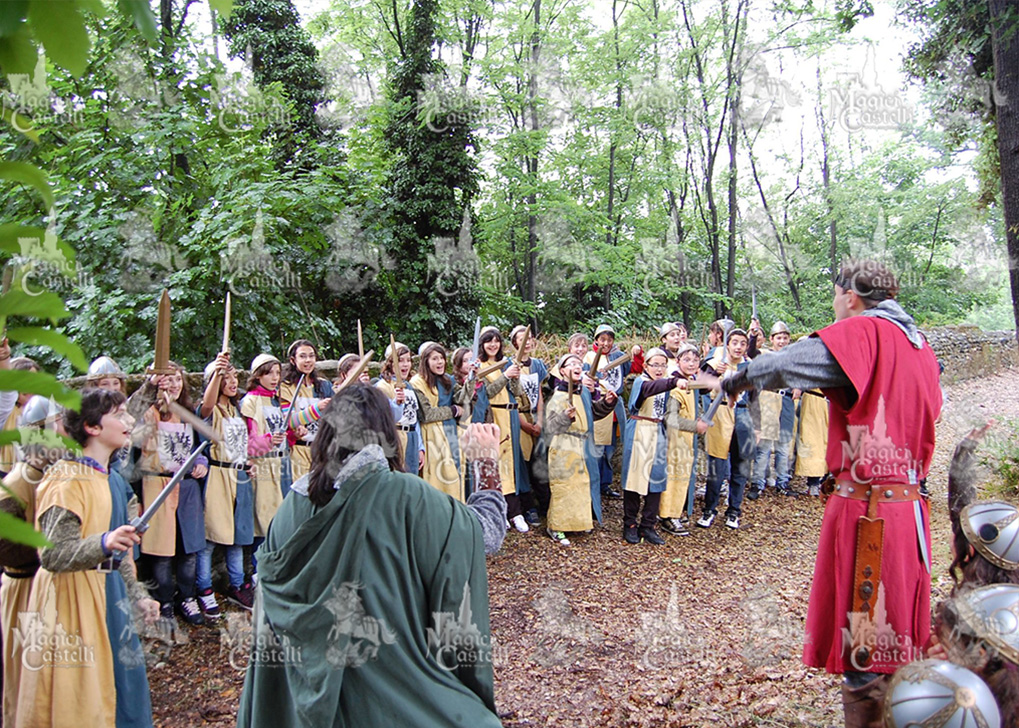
(704, 630)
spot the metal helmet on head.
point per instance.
(39, 411)
(992, 527)
(667, 328)
(939, 693)
(604, 329)
(991, 614)
(104, 366)
(779, 327)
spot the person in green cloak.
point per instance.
(372, 600)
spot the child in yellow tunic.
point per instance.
(573, 475)
(439, 413)
(168, 442)
(730, 439)
(229, 511)
(267, 428)
(404, 405)
(681, 423)
(43, 419)
(301, 388)
(812, 439)
(497, 403)
(645, 453)
(84, 663)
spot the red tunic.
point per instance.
(881, 433)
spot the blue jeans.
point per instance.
(763, 459)
(736, 468)
(234, 566)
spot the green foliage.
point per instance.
(1003, 458)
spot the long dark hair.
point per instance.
(184, 400)
(291, 374)
(485, 338)
(431, 379)
(356, 417)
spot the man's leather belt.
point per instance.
(885, 493)
(510, 406)
(154, 474)
(107, 566)
(645, 419)
(405, 428)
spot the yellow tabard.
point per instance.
(221, 485)
(719, 435)
(440, 468)
(645, 444)
(771, 414)
(526, 405)
(167, 443)
(501, 417)
(14, 593)
(812, 441)
(300, 456)
(604, 427)
(569, 481)
(75, 684)
(8, 454)
(389, 389)
(265, 470)
(680, 453)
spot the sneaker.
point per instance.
(532, 517)
(706, 520)
(675, 526)
(814, 490)
(520, 524)
(612, 494)
(241, 596)
(732, 522)
(630, 534)
(166, 610)
(190, 611)
(209, 606)
(754, 493)
(652, 536)
(700, 491)
(558, 536)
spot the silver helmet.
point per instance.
(779, 327)
(991, 613)
(104, 366)
(993, 529)
(39, 411)
(939, 693)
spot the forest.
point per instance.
(559, 162)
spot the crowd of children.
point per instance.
(558, 426)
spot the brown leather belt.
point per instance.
(644, 419)
(885, 493)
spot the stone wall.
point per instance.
(967, 352)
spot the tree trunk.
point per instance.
(532, 161)
(826, 180)
(1005, 44)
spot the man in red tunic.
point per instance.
(869, 609)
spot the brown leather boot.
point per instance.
(864, 706)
